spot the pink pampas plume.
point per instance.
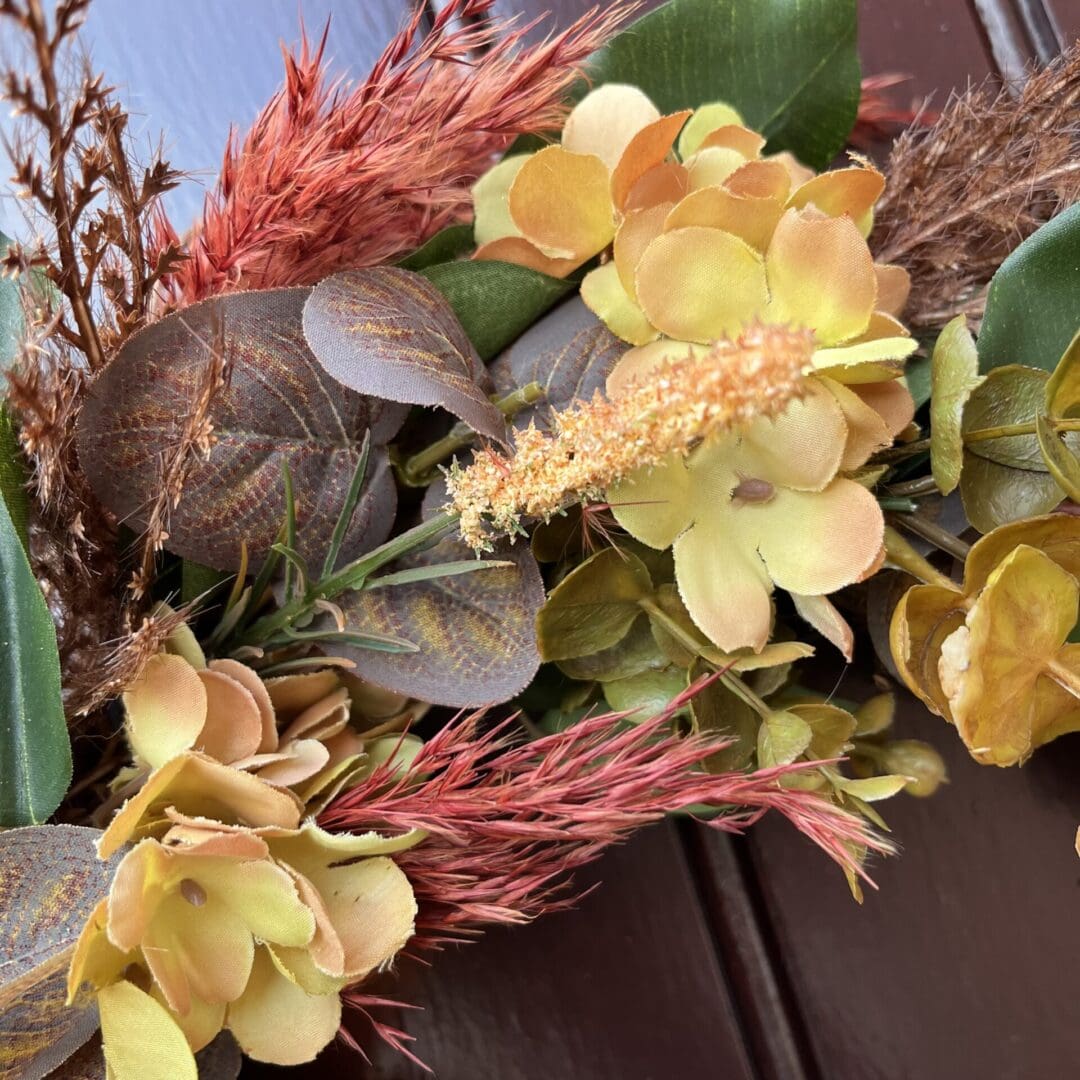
(333, 176)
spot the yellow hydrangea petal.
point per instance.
(199, 785)
(201, 1025)
(604, 295)
(140, 1039)
(706, 119)
(96, 960)
(699, 284)
(277, 1022)
(866, 430)
(491, 210)
(166, 709)
(325, 950)
(310, 848)
(234, 725)
(801, 448)
(315, 716)
(561, 202)
(892, 401)
(760, 180)
(736, 137)
(638, 230)
(139, 887)
(821, 275)
(842, 191)
(305, 757)
(750, 219)
(645, 151)
(654, 505)
(251, 682)
(635, 364)
(665, 183)
(724, 586)
(894, 286)
(866, 362)
(818, 542)
(520, 252)
(712, 166)
(606, 119)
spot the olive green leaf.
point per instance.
(831, 728)
(1060, 460)
(446, 245)
(646, 694)
(1031, 311)
(280, 408)
(717, 710)
(50, 881)
(1013, 394)
(789, 66)
(994, 494)
(35, 752)
(634, 653)
(954, 374)
(1063, 388)
(872, 788)
(391, 334)
(783, 737)
(594, 606)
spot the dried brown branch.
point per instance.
(964, 192)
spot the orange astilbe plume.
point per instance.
(333, 175)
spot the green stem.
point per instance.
(941, 538)
(902, 555)
(922, 485)
(414, 469)
(1005, 431)
(901, 452)
(688, 642)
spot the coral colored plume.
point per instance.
(332, 175)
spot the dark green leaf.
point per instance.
(13, 476)
(35, 753)
(594, 606)
(197, 580)
(716, 710)
(392, 334)
(954, 375)
(995, 494)
(636, 652)
(1031, 308)
(475, 633)
(280, 408)
(496, 301)
(50, 882)
(445, 246)
(789, 66)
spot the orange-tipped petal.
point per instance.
(892, 401)
(251, 682)
(291, 694)
(699, 284)
(234, 727)
(821, 276)
(706, 119)
(605, 120)
(649, 148)
(760, 180)
(750, 219)
(166, 709)
(866, 430)
(736, 137)
(491, 210)
(604, 295)
(561, 202)
(638, 230)
(711, 166)
(797, 172)
(843, 191)
(518, 250)
(665, 183)
(306, 758)
(822, 615)
(894, 286)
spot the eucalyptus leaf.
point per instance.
(789, 66)
(594, 606)
(1031, 308)
(634, 653)
(1063, 389)
(35, 752)
(831, 728)
(954, 374)
(51, 879)
(995, 494)
(496, 301)
(1060, 460)
(1014, 394)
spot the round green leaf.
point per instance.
(1060, 460)
(1008, 395)
(647, 694)
(635, 653)
(995, 494)
(783, 736)
(954, 374)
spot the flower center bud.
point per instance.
(752, 490)
(192, 892)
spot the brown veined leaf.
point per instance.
(475, 632)
(570, 353)
(392, 334)
(279, 407)
(50, 881)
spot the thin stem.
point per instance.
(902, 555)
(1005, 431)
(922, 485)
(1064, 677)
(939, 537)
(901, 452)
(414, 469)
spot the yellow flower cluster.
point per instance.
(231, 911)
(667, 411)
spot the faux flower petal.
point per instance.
(251, 682)
(866, 430)
(867, 362)
(666, 183)
(700, 284)
(706, 119)
(647, 149)
(140, 1039)
(606, 119)
(816, 543)
(491, 212)
(796, 170)
(760, 180)
(277, 1022)
(712, 166)
(201, 1025)
(841, 191)
(750, 219)
(604, 295)
(821, 275)
(635, 364)
(315, 715)
(894, 286)
(520, 252)
(560, 201)
(736, 137)
(305, 758)
(638, 230)
(96, 959)
(892, 401)
(291, 694)
(724, 586)
(262, 894)
(166, 709)
(821, 614)
(234, 725)
(654, 504)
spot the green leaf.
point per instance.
(594, 606)
(1060, 460)
(789, 66)
(782, 737)
(496, 301)
(831, 728)
(1031, 308)
(954, 374)
(636, 652)
(1063, 389)
(13, 477)
(197, 580)
(35, 752)
(50, 882)
(1008, 395)
(445, 246)
(873, 788)
(995, 494)
(647, 694)
(717, 710)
